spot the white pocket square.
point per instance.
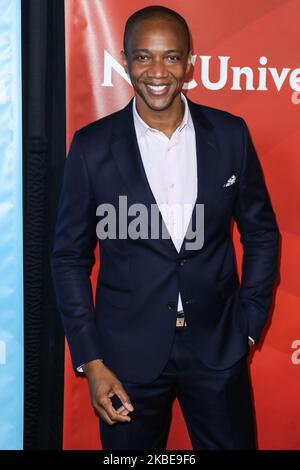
(230, 181)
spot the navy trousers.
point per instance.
(216, 405)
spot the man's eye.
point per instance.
(142, 58)
(172, 58)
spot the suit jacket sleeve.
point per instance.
(260, 239)
(72, 258)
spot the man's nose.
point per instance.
(158, 69)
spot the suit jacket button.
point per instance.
(180, 262)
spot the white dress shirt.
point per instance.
(171, 169)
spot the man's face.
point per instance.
(157, 62)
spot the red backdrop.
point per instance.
(234, 34)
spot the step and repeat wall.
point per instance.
(246, 61)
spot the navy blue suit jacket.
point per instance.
(132, 323)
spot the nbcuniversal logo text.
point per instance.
(236, 77)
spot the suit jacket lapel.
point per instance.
(127, 156)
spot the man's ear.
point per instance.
(189, 62)
(124, 61)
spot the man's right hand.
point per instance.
(103, 385)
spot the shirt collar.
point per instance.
(142, 127)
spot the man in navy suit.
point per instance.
(171, 318)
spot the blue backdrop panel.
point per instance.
(11, 239)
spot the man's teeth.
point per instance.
(157, 87)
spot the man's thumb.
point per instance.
(124, 399)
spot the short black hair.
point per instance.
(154, 11)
